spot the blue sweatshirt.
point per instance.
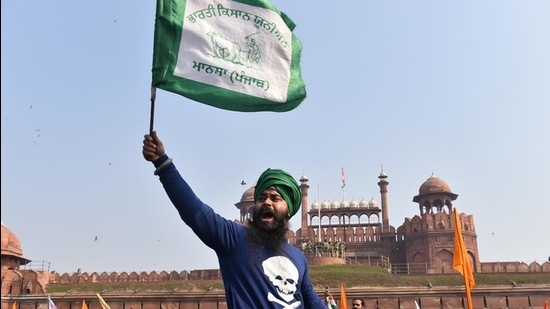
(257, 280)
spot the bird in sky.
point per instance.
(243, 183)
(95, 238)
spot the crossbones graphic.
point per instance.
(272, 298)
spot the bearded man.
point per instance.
(260, 269)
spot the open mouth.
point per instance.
(267, 214)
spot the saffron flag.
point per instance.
(84, 305)
(343, 178)
(51, 304)
(234, 55)
(343, 297)
(545, 304)
(461, 261)
(14, 306)
(102, 302)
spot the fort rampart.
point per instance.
(214, 274)
(512, 297)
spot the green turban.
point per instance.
(284, 183)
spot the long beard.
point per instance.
(273, 239)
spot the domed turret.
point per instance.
(353, 204)
(11, 247)
(246, 204)
(434, 195)
(434, 184)
(344, 204)
(325, 205)
(373, 203)
(334, 204)
(10, 243)
(315, 205)
(248, 195)
(363, 203)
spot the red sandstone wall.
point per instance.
(376, 298)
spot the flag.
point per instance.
(14, 306)
(545, 304)
(102, 302)
(461, 261)
(416, 304)
(51, 304)
(330, 302)
(84, 306)
(343, 297)
(233, 55)
(343, 178)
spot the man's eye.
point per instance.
(274, 198)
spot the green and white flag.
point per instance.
(235, 55)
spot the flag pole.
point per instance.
(153, 97)
(343, 184)
(319, 210)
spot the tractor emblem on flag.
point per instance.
(229, 50)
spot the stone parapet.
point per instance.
(512, 297)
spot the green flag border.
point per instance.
(169, 19)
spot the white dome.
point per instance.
(353, 204)
(334, 204)
(363, 203)
(315, 205)
(344, 204)
(325, 205)
(373, 203)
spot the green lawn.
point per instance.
(322, 276)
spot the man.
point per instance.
(358, 303)
(260, 269)
(330, 303)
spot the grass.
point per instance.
(363, 276)
(321, 276)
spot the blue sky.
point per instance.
(458, 89)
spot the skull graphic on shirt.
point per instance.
(283, 274)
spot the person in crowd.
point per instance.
(358, 303)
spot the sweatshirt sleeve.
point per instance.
(215, 231)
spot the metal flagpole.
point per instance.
(343, 184)
(153, 97)
(319, 210)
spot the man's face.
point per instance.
(270, 209)
(356, 304)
